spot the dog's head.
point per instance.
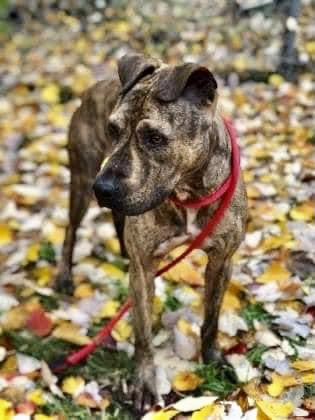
(160, 127)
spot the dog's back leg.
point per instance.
(84, 161)
(80, 196)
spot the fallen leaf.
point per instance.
(194, 403)
(122, 330)
(186, 381)
(276, 271)
(73, 385)
(70, 332)
(6, 410)
(203, 414)
(39, 323)
(304, 212)
(109, 309)
(303, 365)
(37, 396)
(274, 409)
(6, 235)
(84, 290)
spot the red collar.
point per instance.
(226, 192)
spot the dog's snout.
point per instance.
(104, 188)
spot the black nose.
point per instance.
(104, 188)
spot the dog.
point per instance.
(161, 133)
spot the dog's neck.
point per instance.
(214, 169)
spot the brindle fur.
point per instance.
(179, 102)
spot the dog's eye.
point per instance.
(113, 131)
(155, 139)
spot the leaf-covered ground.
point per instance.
(267, 330)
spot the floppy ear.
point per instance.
(132, 68)
(191, 80)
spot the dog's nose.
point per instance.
(104, 188)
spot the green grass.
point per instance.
(72, 411)
(254, 355)
(47, 349)
(49, 303)
(217, 378)
(256, 311)
(103, 363)
(69, 409)
(172, 303)
(47, 252)
(309, 391)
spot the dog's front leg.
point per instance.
(218, 274)
(142, 292)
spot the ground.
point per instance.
(267, 329)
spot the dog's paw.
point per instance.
(143, 390)
(64, 283)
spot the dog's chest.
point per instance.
(190, 231)
(191, 222)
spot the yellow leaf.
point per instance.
(56, 116)
(303, 365)
(109, 309)
(308, 378)
(113, 245)
(275, 272)
(84, 290)
(73, 385)
(285, 240)
(54, 234)
(32, 254)
(6, 410)
(252, 191)
(112, 271)
(240, 63)
(70, 332)
(204, 413)
(304, 212)
(186, 381)
(122, 331)
(14, 319)
(279, 382)
(184, 272)
(9, 366)
(252, 389)
(6, 235)
(44, 275)
(164, 415)
(40, 416)
(276, 80)
(157, 305)
(37, 396)
(274, 409)
(276, 387)
(50, 93)
(231, 300)
(310, 48)
(185, 327)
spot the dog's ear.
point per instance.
(132, 68)
(193, 81)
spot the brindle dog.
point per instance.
(159, 127)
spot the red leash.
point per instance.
(226, 192)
